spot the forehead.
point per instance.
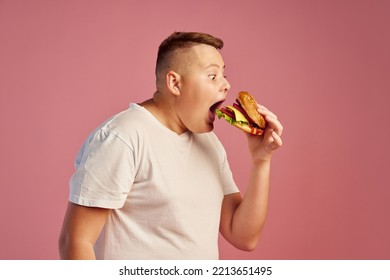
(204, 55)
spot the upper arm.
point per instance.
(82, 226)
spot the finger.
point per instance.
(274, 124)
(277, 140)
(264, 111)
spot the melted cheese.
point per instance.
(239, 116)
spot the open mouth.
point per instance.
(216, 106)
(212, 109)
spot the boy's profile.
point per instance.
(153, 181)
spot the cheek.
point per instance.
(196, 99)
(194, 116)
(190, 100)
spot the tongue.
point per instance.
(211, 115)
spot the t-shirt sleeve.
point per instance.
(104, 173)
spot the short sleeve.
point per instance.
(104, 173)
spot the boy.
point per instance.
(153, 182)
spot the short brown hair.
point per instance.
(183, 40)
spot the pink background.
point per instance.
(322, 66)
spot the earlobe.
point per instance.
(173, 82)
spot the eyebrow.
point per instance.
(214, 65)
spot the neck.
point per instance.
(163, 108)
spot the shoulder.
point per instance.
(131, 121)
(118, 134)
(129, 118)
(123, 126)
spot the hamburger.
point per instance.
(244, 114)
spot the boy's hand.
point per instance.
(261, 147)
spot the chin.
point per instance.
(205, 129)
(209, 128)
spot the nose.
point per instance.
(226, 86)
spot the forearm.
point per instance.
(243, 219)
(250, 215)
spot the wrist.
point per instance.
(262, 161)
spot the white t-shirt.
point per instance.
(165, 189)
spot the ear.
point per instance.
(173, 82)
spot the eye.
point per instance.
(212, 76)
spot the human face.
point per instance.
(203, 88)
